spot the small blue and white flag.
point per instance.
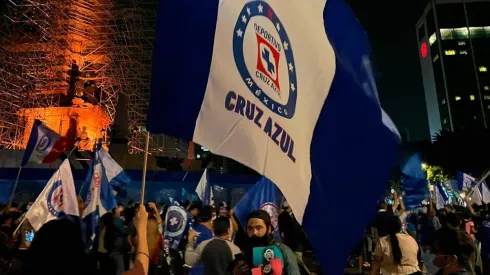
(485, 193)
(285, 87)
(57, 199)
(476, 196)
(203, 188)
(115, 174)
(465, 181)
(441, 197)
(100, 200)
(177, 220)
(118, 179)
(263, 196)
(44, 145)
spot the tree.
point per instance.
(435, 173)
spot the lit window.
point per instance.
(460, 33)
(446, 34)
(435, 58)
(472, 97)
(486, 88)
(474, 117)
(463, 52)
(488, 107)
(458, 98)
(444, 121)
(443, 101)
(461, 43)
(482, 69)
(486, 97)
(450, 52)
(432, 39)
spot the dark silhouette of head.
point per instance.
(58, 248)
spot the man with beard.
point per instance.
(261, 234)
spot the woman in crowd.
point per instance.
(395, 253)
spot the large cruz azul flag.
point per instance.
(286, 88)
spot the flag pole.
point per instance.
(15, 187)
(145, 165)
(71, 152)
(21, 222)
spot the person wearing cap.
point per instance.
(260, 233)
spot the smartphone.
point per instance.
(29, 236)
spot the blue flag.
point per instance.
(184, 195)
(100, 200)
(177, 220)
(265, 196)
(203, 188)
(285, 87)
(465, 181)
(118, 179)
(414, 182)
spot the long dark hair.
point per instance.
(394, 227)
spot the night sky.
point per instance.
(390, 26)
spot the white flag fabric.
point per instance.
(439, 199)
(286, 88)
(485, 193)
(100, 198)
(476, 197)
(57, 199)
(203, 189)
(465, 181)
(44, 145)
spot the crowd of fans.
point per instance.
(131, 241)
(449, 241)
(454, 240)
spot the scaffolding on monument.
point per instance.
(50, 49)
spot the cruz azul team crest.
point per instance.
(264, 58)
(271, 209)
(44, 143)
(176, 221)
(55, 199)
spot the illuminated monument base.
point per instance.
(85, 122)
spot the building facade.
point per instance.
(454, 49)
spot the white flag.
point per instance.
(476, 197)
(203, 189)
(57, 198)
(485, 193)
(440, 203)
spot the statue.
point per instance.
(83, 141)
